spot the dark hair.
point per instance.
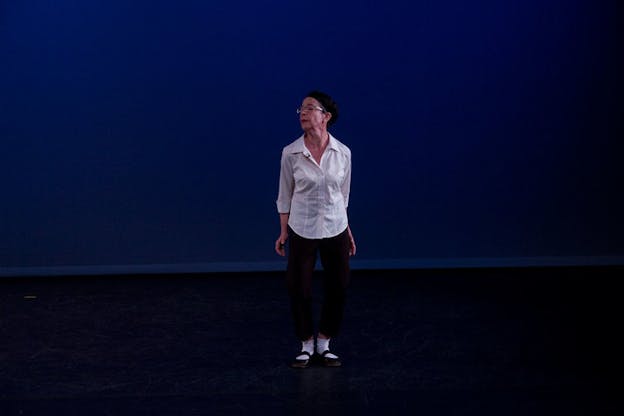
(328, 104)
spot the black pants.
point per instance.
(334, 253)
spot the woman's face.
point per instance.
(312, 115)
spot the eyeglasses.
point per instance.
(310, 108)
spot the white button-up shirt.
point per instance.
(315, 195)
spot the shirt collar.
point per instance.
(299, 146)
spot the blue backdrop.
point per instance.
(147, 134)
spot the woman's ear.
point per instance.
(329, 116)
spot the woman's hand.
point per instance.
(352, 248)
(280, 244)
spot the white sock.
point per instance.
(306, 346)
(323, 345)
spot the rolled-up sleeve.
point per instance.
(286, 185)
(346, 184)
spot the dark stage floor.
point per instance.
(494, 341)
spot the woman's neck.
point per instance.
(316, 138)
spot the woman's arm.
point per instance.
(281, 240)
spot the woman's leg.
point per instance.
(301, 260)
(334, 254)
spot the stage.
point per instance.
(500, 341)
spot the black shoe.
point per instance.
(299, 363)
(328, 361)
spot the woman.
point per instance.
(315, 179)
